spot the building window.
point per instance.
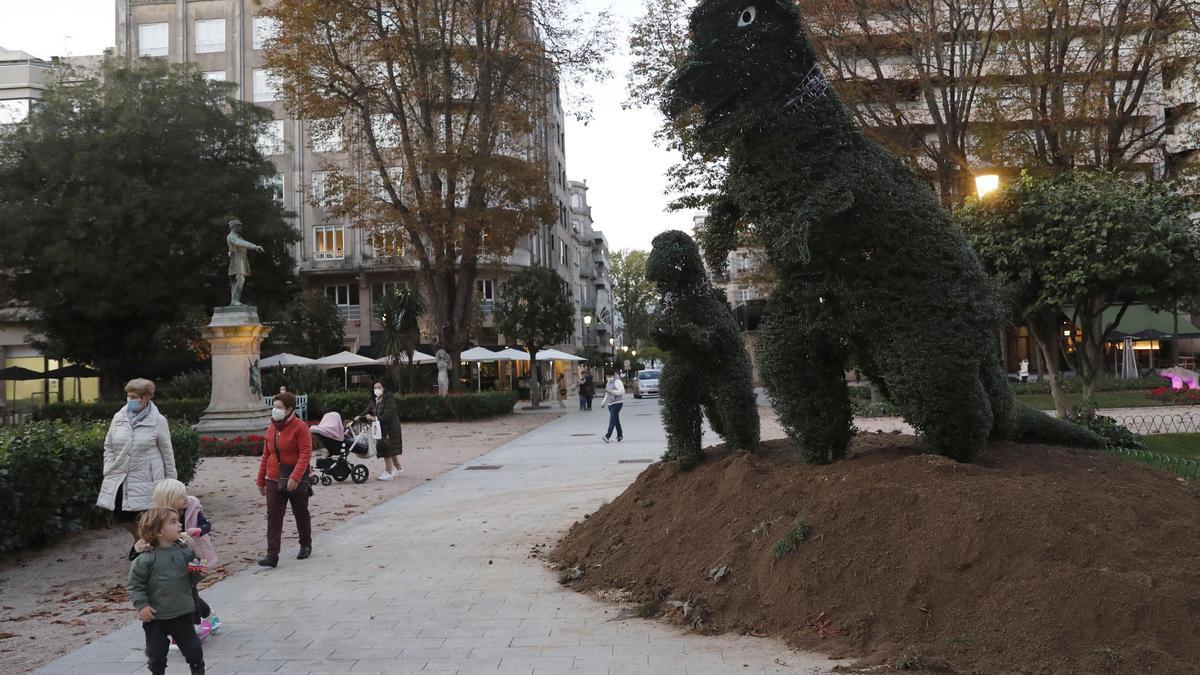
(322, 192)
(264, 29)
(153, 39)
(14, 111)
(395, 176)
(562, 252)
(345, 296)
(486, 288)
(742, 263)
(382, 289)
(210, 36)
(264, 86)
(385, 241)
(743, 296)
(386, 132)
(275, 185)
(270, 138)
(214, 75)
(576, 200)
(326, 135)
(329, 243)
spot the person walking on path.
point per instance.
(137, 454)
(160, 587)
(561, 384)
(614, 397)
(389, 444)
(587, 390)
(282, 476)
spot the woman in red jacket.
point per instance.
(288, 444)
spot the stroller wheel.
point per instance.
(360, 473)
(326, 480)
(312, 479)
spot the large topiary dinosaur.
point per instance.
(707, 367)
(870, 266)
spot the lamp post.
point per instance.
(986, 183)
(587, 330)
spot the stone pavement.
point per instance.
(440, 579)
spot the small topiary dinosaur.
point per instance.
(707, 367)
(870, 266)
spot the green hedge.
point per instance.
(1073, 385)
(174, 409)
(419, 407)
(50, 475)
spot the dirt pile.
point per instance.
(1036, 559)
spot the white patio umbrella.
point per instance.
(418, 358)
(477, 354)
(510, 354)
(285, 360)
(555, 355)
(344, 360)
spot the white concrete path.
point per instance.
(440, 579)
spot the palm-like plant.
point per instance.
(397, 313)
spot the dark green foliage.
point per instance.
(1036, 426)
(50, 475)
(1114, 434)
(182, 410)
(195, 384)
(114, 199)
(305, 380)
(310, 326)
(397, 314)
(420, 407)
(871, 269)
(707, 368)
(535, 309)
(1073, 385)
(796, 535)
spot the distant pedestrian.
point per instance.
(137, 454)
(283, 476)
(614, 397)
(160, 586)
(561, 384)
(389, 439)
(587, 390)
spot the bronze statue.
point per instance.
(239, 264)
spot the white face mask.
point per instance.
(378, 392)
(278, 414)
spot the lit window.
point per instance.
(153, 39)
(270, 138)
(264, 29)
(385, 242)
(210, 36)
(265, 87)
(214, 75)
(329, 243)
(326, 135)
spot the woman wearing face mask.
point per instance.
(391, 444)
(288, 444)
(137, 454)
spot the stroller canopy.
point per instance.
(330, 427)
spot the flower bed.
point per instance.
(239, 446)
(1169, 396)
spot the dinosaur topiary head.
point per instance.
(674, 264)
(746, 56)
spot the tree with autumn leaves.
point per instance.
(444, 112)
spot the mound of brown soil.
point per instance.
(1036, 559)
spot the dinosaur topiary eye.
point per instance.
(747, 16)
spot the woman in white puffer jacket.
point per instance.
(137, 454)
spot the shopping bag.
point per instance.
(376, 430)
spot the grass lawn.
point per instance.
(1104, 399)
(1179, 445)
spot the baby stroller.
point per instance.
(339, 442)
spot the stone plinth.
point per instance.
(236, 407)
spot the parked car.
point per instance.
(646, 383)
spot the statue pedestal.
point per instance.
(236, 407)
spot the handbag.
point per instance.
(284, 469)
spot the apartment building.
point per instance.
(224, 39)
(593, 295)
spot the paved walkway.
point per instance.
(440, 579)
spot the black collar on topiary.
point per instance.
(812, 87)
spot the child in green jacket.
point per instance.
(161, 589)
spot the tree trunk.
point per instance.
(535, 388)
(1045, 335)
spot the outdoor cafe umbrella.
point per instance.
(418, 357)
(344, 360)
(74, 370)
(18, 374)
(555, 355)
(286, 360)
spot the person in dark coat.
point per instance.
(391, 443)
(587, 390)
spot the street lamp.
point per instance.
(587, 330)
(986, 183)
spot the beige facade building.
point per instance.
(224, 40)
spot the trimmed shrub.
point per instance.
(1074, 385)
(1115, 435)
(50, 474)
(418, 407)
(186, 410)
